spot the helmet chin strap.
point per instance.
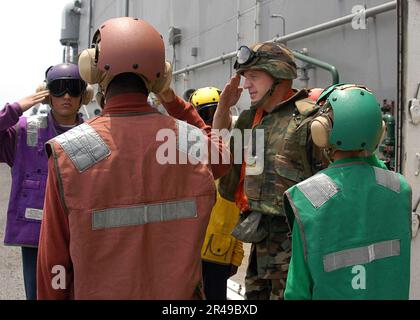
(267, 95)
(100, 97)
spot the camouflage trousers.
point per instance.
(269, 263)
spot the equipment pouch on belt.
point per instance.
(249, 229)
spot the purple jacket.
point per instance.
(22, 143)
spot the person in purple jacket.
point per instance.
(22, 141)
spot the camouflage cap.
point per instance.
(282, 66)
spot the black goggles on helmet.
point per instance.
(245, 56)
(60, 87)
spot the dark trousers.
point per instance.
(215, 277)
(29, 258)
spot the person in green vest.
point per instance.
(273, 153)
(352, 221)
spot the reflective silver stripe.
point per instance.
(192, 141)
(84, 146)
(33, 124)
(34, 214)
(318, 189)
(362, 255)
(388, 179)
(144, 214)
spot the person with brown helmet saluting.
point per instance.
(139, 235)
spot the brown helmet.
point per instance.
(273, 58)
(124, 45)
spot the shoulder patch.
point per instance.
(84, 146)
(318, 189)
(306, 106)
(388, 179)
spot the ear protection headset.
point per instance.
(321, 128)
(88, 66)
(89, 70)
(350, 119)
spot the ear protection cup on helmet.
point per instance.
(164, 82)
(320, 130)
(87, 95)
(43, 87)
(88, 67)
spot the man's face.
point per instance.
(257, 83)
(65, 106)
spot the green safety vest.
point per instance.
(287, 155)
(355, 224)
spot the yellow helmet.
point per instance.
(205, 100)
(204, 96)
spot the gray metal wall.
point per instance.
(366, 56)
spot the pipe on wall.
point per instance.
(317, 28)
(90, 21)
(321, 64)
(257, 21)
(238, 16)
(337, 22)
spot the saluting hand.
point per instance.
(28, 102)
(231, 93)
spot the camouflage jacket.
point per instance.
(289, 154)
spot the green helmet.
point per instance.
(357, 117)
(274, 58)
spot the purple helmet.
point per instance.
(65, 77)
(63, 71)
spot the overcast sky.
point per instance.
(30, 33)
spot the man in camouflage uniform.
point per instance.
(288, 157)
